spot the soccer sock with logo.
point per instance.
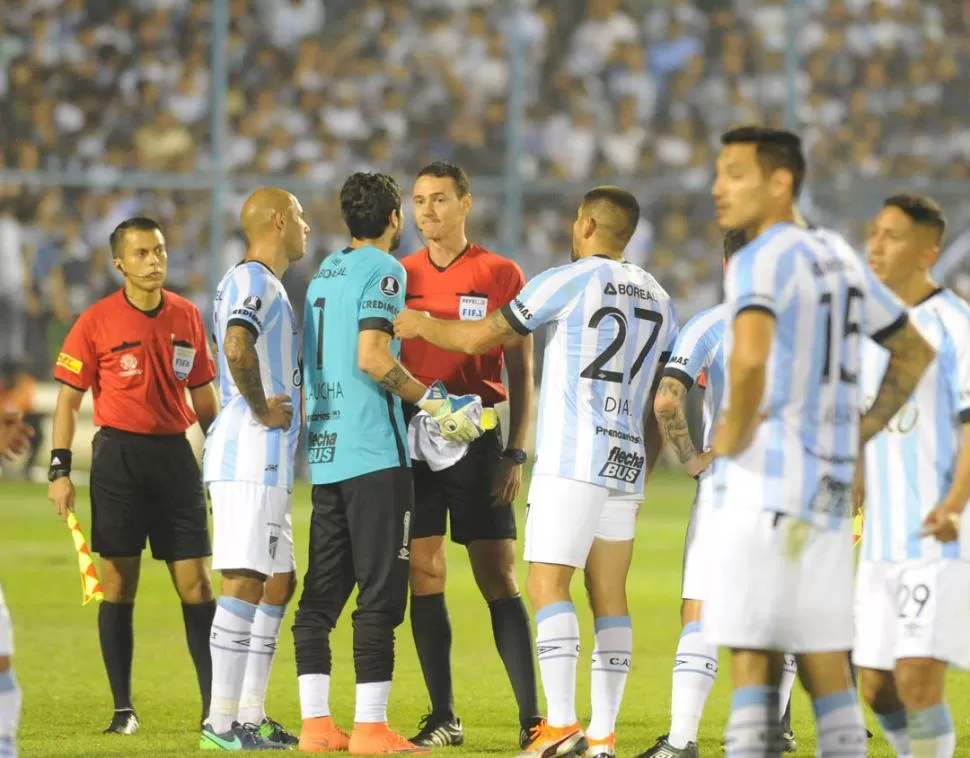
(198, 626)
(117, 638)
(611, 664)
(895, 728)
(229, 643)
(839, 726)
(788, 675)
(931, 732)
(513, 638)
(753, 724)
(695, 669)
(262, 650)
(557, 642)
(10, 699)
(431, 628)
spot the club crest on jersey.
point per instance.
(390, 286)
(252, 303)
(472, 307)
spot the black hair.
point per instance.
(923, 210)
(622, 201)
(776, 149)
(443, 169)
(138, 223)
(367, 201)
(734, 240)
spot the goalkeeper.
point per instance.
(363, 497)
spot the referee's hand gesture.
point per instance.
(278, 413)
(61, 493)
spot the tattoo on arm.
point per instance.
(673, 419)
(911, 354)
(240, 347)
(394, 379)
(499, 325)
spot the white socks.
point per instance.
(840, 730)
(788, 676)
(895, 728)
(229, 643)
(610, 666)
(931, 732)
(314, 695)
(10, 699)
(262, 650)
(371, 703)
(695, 669)
(557, 645)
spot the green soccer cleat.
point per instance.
(238, 737)
(274, 731)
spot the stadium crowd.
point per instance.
(637, 91)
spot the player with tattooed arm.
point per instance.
(360, 528)
(611, 326)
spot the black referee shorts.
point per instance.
(147, 488)
(465, 491)
(360, 535)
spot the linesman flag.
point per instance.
(90, 584)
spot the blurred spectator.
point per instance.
(630, 91)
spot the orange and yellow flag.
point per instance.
(90, 583)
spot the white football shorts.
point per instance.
(253, 528)
(912, 609)
(775, 582)
(696, 557)
(564, 516)
(6, 628)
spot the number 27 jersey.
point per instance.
(610, 326)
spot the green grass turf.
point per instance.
(67, 703)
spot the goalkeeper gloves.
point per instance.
(455, 414)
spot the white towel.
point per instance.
(427, 444)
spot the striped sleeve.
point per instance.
(546, 297)
(885, 313)
(961, 341)
(250, 298)
(758, 275)
(694, 346)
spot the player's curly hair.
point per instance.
(367, 202)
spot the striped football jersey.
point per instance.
(910, 465)
(700, 350)
(611, 326)
(238, 447)
(823, 298)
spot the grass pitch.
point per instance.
(67, 702)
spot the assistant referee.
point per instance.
(138, 350)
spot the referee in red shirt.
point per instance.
(138, 350)
(452, 278)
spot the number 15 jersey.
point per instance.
(611, 326)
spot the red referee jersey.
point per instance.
(138, 363)
(473, 285)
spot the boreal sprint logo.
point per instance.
(622, 465)
(390, 286)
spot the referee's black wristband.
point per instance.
(60, 463)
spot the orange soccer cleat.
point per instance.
(322, 735)
(378, 739)
(556, 742)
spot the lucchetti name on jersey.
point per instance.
(623, 465)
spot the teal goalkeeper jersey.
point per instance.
(354, 425)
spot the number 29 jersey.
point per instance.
(610, 326)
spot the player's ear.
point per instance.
(589, 227)
(781, 182)
(466, 203)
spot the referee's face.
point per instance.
(438, 211)
(143, 258)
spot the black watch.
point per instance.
(516, 455)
